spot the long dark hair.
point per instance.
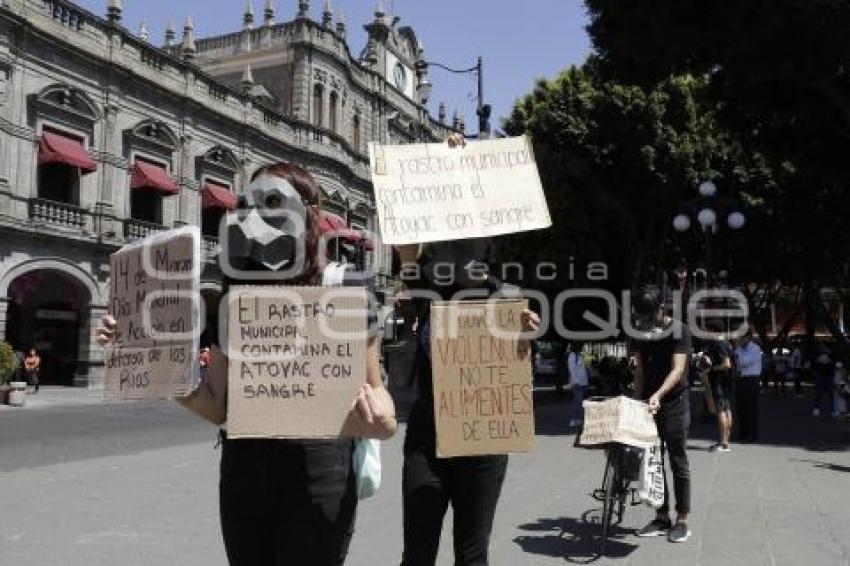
(306, 185)
(310, 192)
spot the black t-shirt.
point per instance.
(656, 352)
(717, 351)
(421, 427)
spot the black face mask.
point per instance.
(269, 227)
(456, 264)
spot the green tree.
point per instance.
(617, 160)
(777, 71)
(8, 362)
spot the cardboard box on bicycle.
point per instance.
(620, 420)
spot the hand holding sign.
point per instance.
(297, 359)
(483, 400)
(154, 320)
(432, 192)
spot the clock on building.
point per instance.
(400, 77)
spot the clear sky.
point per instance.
(519, 40)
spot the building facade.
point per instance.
(106, 138)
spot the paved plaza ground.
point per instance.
(94, 484)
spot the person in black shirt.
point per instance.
(661, 378)
(472, 485)
(718, 357)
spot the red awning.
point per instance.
(214, 195)
(152, 177)
(330, 222)
(56, 148)
(366, 242)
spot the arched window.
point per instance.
(355, 132)
(318, 106)
(332, 111)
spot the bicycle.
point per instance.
(622, 467)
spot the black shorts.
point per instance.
(721, 389)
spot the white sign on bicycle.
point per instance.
(620, 420)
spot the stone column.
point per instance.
(4, 314)
(90, 354)
(188, 205)
(302, 88)
(110, 204)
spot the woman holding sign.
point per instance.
(287, 502)
(472, 485)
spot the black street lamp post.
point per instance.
(483, 110)
(706, 216)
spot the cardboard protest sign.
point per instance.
(431, 192)
(482, 378)
(297, 359)
(154, 297)
(620, 419)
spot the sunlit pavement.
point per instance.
(135, 484)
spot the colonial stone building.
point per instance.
(105, 138)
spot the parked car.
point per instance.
(547, 366)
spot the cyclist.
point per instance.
(661, 378)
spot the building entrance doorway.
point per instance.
(47, 312)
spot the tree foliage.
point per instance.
(8, 362)
(617, 160)
(777, 72)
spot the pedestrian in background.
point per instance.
(719, 356)
(204, 362)
(823, 370)
(796, 366)
(749, 358)
(780, 368)
(32, 367)
(578, 383)
(840, 390)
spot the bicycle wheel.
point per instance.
(609, 482)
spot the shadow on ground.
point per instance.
(576, 540)
(825, 465)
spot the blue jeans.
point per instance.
(576, 408)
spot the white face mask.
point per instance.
(269, 228)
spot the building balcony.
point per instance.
(57, 213)
(135, 229)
